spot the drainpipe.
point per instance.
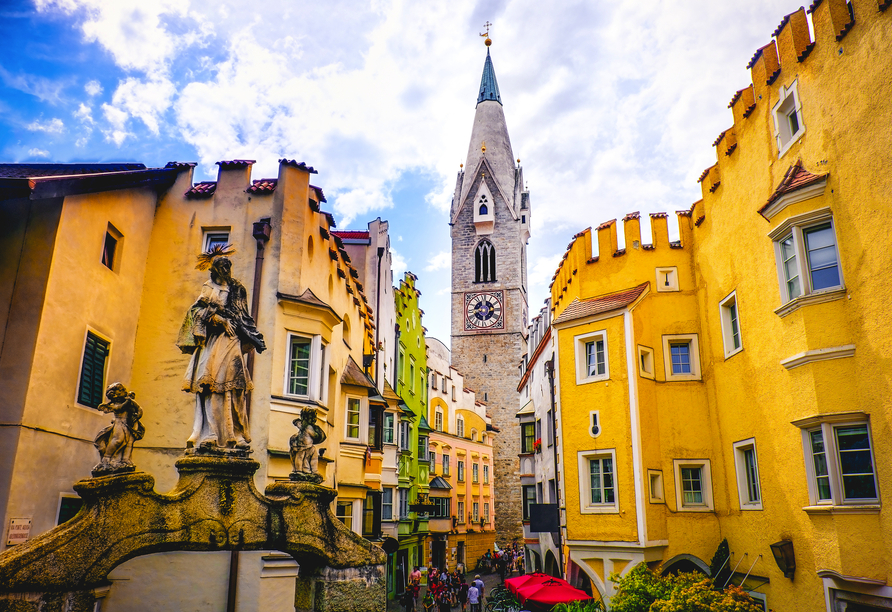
(549, 369)
(262, 230)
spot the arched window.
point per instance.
(484, 208)
(485, 262)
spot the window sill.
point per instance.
(696, 509)
(684, 378)
(592, 379)
(815, 297)
(600, 510)
(847, 509)
(732, 353)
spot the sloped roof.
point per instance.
(489, 87)
(353, 375)
(439, 483)
(204, 189)
(586, 308)
(352, 234)
(35, 170)
(267, 185)
(795, 178)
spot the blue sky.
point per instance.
(612, 107)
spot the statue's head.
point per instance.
(308, 415)
(221, 268)
(115, 390)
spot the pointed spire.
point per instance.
(489, 87)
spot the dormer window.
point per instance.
(484, 219)
(483, 208)
(788, 126)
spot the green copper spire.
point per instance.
(489, 87)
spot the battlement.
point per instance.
(579, 254)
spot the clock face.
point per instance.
(484, 311)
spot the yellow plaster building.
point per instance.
(733, 384)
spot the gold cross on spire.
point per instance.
(485, 35)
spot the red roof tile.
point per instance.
(38, 170)
(204, 189)
(176, 164)
(659, 215)
(236, 163)
(736, 96)
(632, 215)
(297, 164)
(318, 191)
(606, 224)
(263, 186)
(352, 234)
(586, 308)
(795, 178)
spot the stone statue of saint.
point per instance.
(115, 442)
(218, 331)
(304, 457)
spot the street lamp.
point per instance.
(783, 556)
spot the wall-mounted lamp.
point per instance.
(783, 556)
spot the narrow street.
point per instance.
(489, 580)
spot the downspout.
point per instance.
(261, 232)
(635, 426)
(549, 369)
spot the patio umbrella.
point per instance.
(527, 579)
(550, 592)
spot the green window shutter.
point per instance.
(92, 380)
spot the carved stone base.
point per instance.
(210, 450)
(104, 468)
(352, 589)
(305, 477)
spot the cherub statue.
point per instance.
(304, 458)
(115, 442)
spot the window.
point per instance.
(473, 435)
(376, 427)
(214, 238)
(433, 380)
(655, 486)
(476, 507)
(485, 474)
(645, 362)
(460, 426)
(445, 464)
(475, 473)
(92, 382)
(461, 512)
(484, 262)
(412, 374)
(549, 425)
(681, 357)
(387, 504)
(787, 113)
(747, 469)
(461, 470)
(389, 419)
(527, 437)
(730, 325)
(111, 248)
(667, 279)
(344, 513)
(807, 259)
(404, 503)
(839, 459)
(371, 515)
(485, 512)
(591, 357)
(453, 393)
(354, 409)
(529, 497)
(306, 367)
(69, 506)
(422, 449)
(405, 433)
(693, 485)
(438, 420)
(597, 482)
(444, 507)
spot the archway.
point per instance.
(552, 567)
(684, 563)
(214, 507)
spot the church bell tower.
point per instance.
(490, 220)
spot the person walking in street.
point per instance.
(474, 598)
(463, 595)
(478, 582)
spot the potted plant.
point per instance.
(537, 445)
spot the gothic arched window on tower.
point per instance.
(484, 208)
(485, 262)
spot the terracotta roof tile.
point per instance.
(38, 170)
(736, 96)
(236, 163)
(318, 191)
(606, 224)
(705, 173)
(297, 164)
(632, 215)
(204, 189)
(176, 164)
(783, 22)
(795, 178)
(659, 215)
(586, 308)
(263, 186)
(758, 53)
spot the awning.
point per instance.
(528, 408)
(439, 483)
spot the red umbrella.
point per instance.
(550, 592)
(527, 579)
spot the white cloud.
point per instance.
(52, 126)
(35, 152)
(93, 88)
(84, 113)
(117, 133)
(398, 265)
(440, 261)
(145, 100)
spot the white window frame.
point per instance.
(460, 426)
(384, 515)
(363, 425)
(585, 492)
(788, 104)
(208, 232)
(646, 362)
(438, 420)
(667, 279)
(743, 477)
(402, 504)
(580, 342)
(446, 466)
(460, 470)
(485, 474)
(655, 490)
(355, 518)
(461, 511)
(391, 418)
(828, 424)
(797, 227)
(317, 383)
(405, 435)
(476, 511)
(475, 473)
(694, 346)
(707, 504)
(412, 375)
(729, 313)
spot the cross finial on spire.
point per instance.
(485, 35)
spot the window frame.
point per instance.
(788, 104)
(581, 343)
(527, 449)
(209, 232)
(475, 473)
(405, 435)
(828, 425)
(385, 514)
(116, 238)
(460, 470)
(485, 262)
(362, 423)
(656, 494)
(403, 503)
(78, 396)
(485, 473)
(438, 420)
(346, 503)
(741, 470)
(390, 429)
(708, 504)
(729, 315)
(646, 361)
(446, 461)
(317, 382)
(526, 500)
(796, 228)
(460, 510)
(693, 343)
(586, 506)
(460, 426)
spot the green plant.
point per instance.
(585, 605)
(718, 568)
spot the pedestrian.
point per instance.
(474, 598)
(415, 576)
(444, 605)
(478, 582)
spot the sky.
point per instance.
(612, 107)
